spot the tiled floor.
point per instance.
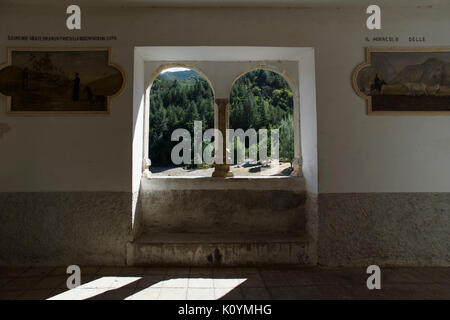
(224, 283)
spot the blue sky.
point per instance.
(175, 69)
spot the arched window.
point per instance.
(178, 97)
(262, 102)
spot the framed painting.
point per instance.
(405, 80)
(60, 80)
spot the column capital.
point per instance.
(222, 103)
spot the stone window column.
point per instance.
(222, 108)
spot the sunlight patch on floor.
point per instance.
(94, 288)
(170, 289)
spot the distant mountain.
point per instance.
(179, 75)
(430, 72)
(383, 68)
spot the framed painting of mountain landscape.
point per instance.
(405, 80)
(60, 80)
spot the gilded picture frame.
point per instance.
(401, 81)
(60, 80)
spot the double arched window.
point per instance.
(258, 116)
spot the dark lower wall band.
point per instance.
(92, 228)
(83, 228)
(385, 229)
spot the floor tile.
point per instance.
(27, 283)
(255, 294)
(200, 294)
(85, 279)
(225, 283)
(108, 271)
(112, 282)
(4, 281)
(176, 283)
(283, 293)
(95, 294)
(296, 293)
(145, 294)
(201, 272)
(425, 275)
(440, 291)
(231, 282)
(59, 291)
(299, 278)
(201, 283)
(404, 276)
(221, 271)
(253, 281)
(52, 282)
(98, 282)
(85, 270)
(58, 271)
(346, 276)
(415, 291)
(41, 294)
(154, 271)
(37, 272)
(274, 279)
(79, 294)
(178, 272)
(10, 294)
(228, 293)
(89, 270)
(361, 292)
(150, 281)
(12, 272)
(173, 294)
(132, 271)
(443, 275)
(335, 292)
(115, 294)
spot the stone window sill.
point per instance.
(235, 183)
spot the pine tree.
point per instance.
(287, 139)
(249, 112)
(259, 99)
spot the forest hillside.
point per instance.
(259, 99)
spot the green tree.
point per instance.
(287, 139)
(176, 103)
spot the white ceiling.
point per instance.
(238, 3)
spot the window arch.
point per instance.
(178, 95)
(262, 99)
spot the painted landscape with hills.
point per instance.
(411, 81)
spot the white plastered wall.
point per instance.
(357, 153)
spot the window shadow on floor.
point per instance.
(198, 286)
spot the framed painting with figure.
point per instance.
(60, 80)
(405, 80)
